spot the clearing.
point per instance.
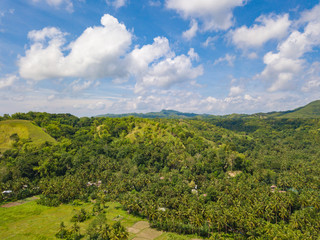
(27, 220)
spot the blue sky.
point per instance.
(114, 56)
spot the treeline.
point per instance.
(245, 178)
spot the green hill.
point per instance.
(171, 114)
(311, 110)
(13, 131)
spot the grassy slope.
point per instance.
(311, 110)
(33, 221)
(24, 129)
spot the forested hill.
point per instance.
(255, 178)
(162, 114)
(311, 110)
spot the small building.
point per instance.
(7, 192)
(273, 187)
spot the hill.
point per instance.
(13, 131)
(171, 114)
(219, 177)
(311, 110)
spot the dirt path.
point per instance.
(12, 204)
(143, 231)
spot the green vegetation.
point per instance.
(220, 178)
(162, 114)
(312, 110)
(34, 221)
(17, 132)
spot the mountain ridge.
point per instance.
(310, 110)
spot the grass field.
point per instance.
(33, 221)
(24, 129)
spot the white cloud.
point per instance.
(312, 77)
(210, 41)
(310, 15)
(269, 27)
(58, 3)
(117, 3)
(77, 85)
(95, 54)
(189, 34)
(8, 81)
(97, 106)
(285, 67)
(235, 90)
(140, 58)
(215, 14)
(227, 58)
(51, 33)
(103, 52)
(193, 55)
(168, 72)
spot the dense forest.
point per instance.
(220, 178)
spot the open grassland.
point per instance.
(33, 221)
(25, 130)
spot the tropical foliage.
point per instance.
(237, 177)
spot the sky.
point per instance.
(218, 57)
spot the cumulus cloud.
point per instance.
(140, 59)
(227, 58)
(168, 72)
(285, 66)
(189, 34)
(104, 52)
(95, 54)
(8, 81)
(268, 27)
(214, 14)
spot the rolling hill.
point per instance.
(12, 131)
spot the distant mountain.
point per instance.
(161, 114)
(311, 110)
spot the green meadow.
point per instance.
(12, 131)
(33, 221)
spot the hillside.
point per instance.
(218, 178)
(171, 114)
(13, 131)
(311, 110)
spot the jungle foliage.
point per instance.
(240, 178)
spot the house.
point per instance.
(7, 192)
